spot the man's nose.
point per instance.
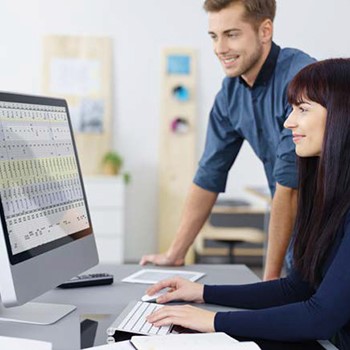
(221, 46)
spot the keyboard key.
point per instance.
(135, 321)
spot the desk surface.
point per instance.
(101, 305)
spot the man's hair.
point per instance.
(256, 11)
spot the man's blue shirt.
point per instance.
(255, 114)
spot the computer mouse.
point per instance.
(154, 297)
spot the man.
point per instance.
(252, 106)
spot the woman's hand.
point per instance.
(184, 315)
(178, 289)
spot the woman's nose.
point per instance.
(290, 122)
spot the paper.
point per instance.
(203, 341)
(178, 64)
(87, 116)
(80, 78)
(122, 345)
(150, 276)
(75, 76)
(7, 343)
(327, 345)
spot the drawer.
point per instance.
(107, 223)
(110, 250)
(104, 193)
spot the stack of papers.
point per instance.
(201, 341)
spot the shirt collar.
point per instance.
(267, 68)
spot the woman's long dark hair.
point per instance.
(324, 181)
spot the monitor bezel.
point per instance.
(33, 252)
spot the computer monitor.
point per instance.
(46, 235)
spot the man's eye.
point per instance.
(232, 35)
(302, 109)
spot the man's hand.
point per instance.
(184, 315)
(161, 260)
(197, 208)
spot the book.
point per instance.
(198, 341)
(20, 344)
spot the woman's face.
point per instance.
(307, 123)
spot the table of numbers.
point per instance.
(40, 187)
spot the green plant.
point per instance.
(113, 158)
(127, 178)
(112, 162)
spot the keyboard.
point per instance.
(133, 320)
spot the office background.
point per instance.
(140, 29)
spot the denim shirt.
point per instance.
(255, 114)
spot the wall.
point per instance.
(140, 29)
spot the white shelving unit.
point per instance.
(106, 200)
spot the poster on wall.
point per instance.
(79, 70)
(80, 77)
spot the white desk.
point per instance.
(104, 303)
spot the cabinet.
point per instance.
(238, 227)
(106, 200)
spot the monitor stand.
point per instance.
(35, 313)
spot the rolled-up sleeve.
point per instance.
(285, 170)
(221, 148)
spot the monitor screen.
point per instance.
(42, 205)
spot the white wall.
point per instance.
(140, 29)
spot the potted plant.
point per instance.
(112, 163)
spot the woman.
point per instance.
(313, 302)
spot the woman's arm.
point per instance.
(319, 317)
(260, 295)
(284, 315)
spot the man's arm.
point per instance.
(197, 208)
(283, 211)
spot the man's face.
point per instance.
(236, 42)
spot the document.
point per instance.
(202, 341)
(122, 345)
(151, 276)
(75, 76)
(9, 343)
